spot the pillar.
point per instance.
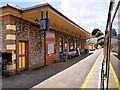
(10, 45)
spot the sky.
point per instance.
(89, 14)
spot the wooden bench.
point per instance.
(72, 54)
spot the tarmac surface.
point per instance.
(74, 76)
(28, 79)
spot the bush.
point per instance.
(99, 46)
(99, 33)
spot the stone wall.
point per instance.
(65, 39)
(10, 28)
(57, 46)
(33, 33)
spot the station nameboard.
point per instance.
(44, 25)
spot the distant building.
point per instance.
(91, 43)
(114, 44)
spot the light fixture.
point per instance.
(36, 20)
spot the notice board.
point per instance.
(50, 48)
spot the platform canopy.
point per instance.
(57, 20)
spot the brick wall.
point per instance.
(8, 39)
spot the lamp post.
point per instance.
(44, 27)
(36, 20)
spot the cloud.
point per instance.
(89, 14)
(100, 24)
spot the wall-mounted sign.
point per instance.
(50, 48)
(44, 25)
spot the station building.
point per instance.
(32, 48)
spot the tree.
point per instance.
(99, 33)
(95, 31)
(114, 33)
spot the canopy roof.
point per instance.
(57, 20)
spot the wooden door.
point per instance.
(22, 55)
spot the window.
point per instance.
(66, 46)
(72, 45)
(75, 44)
(61, 44)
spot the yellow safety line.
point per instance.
(116, 79)
(86, 81)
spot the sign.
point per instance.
(44, 25)
(50, 48)
(7, 56)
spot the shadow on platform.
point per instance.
(28, 79)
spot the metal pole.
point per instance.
(45, 46)
(46, 14)
(41, 15)
(13, 63)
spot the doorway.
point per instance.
(23, 52)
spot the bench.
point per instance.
(72, 54)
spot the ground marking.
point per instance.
(116, 79)
(86, 81)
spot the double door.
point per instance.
(22, 55)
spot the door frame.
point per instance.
(27, 62)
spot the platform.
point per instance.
(93, 79)
(72, 76)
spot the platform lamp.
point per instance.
(36, 20)
(44, 27)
